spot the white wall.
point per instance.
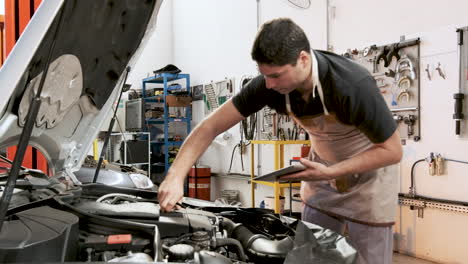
(159, 50)
(212, 39)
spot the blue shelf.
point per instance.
(165, 79)
(170, 143)
(175, 143)
(178, 119)
(155, 120)
(155, 99)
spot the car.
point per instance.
(58, 87)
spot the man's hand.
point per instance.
(379, 155)
(170, 192)
(314, 172)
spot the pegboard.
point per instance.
(395, 68)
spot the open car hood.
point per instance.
(95, 42)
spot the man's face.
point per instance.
(284, 79)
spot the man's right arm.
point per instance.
(171, 189)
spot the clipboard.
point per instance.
(274, 176)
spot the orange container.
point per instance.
(305, 149)
(199, 183)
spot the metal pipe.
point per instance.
(402, 109)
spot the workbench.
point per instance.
(278, 154)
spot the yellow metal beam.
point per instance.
(95, 149)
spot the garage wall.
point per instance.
(211, 41)
(159, 51)
(357, 24)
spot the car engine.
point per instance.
(101, 223)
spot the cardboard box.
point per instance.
(178, 101)
(153, 114)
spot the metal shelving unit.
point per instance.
(165, 79)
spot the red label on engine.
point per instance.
(119, 239)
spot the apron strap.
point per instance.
(317, 87)
(316, 82)
(288, 105)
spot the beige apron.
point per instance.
(369, 197)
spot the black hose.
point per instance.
(413, 194)
(240, 152)
(412, 186)
(256, 244)
(220, 242)
(232, 157)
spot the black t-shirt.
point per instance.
(349, 91)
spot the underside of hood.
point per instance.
(90, 46)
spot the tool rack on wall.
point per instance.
(169, 96)
(395, 68)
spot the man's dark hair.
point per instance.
(279, 42)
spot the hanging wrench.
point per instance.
(428, 72)
(441, 73)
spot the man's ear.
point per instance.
(304, 58)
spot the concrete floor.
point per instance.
(404, 259)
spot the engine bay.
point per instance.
(100, 223)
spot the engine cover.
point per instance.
(41, 234)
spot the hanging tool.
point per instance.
(393, 52)
(428, 72)
(409, 121)
(374, 64)
(404, 94)
(391, 73)
(458, 115)
(368, 50)
(404, 68)
(382, 55)
(439, 69)
(397, 118)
